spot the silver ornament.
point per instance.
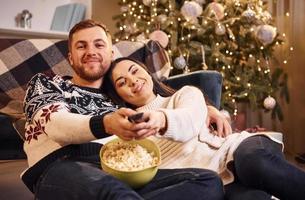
(191, 10)
(269, 103)
(220, 29)
(265, 34)
(179, 62)
(249, 14)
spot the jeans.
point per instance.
(261, 170)
(83, 179)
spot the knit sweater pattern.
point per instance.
(188, 142)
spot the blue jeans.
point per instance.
(261, 170)
(84, 179)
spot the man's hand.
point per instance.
(223, 126)
(116, 123)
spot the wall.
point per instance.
(104, 10)
(42, 11)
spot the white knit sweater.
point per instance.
(187, 141)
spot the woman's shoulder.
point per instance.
(189, 89)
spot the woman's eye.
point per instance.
(134, 71)
(121, 83)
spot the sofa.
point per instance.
(20, 59)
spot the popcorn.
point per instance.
(126, 156)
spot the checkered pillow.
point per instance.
(21, 59)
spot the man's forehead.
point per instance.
(90, 34)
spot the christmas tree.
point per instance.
(235, 37)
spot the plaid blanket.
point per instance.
(21, 59)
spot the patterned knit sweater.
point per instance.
(61, 120)
(187, 141)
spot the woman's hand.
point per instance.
(223, 126)
(156, 120)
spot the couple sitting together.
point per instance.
(64, 115)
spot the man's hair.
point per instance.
(109, 88)
(89, 23)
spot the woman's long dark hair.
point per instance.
(159, 88)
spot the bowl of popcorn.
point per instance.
(134, 162)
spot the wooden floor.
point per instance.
(11, 187)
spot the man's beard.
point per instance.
(89, 75)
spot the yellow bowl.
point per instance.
(138, 178)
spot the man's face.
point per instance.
(91, 53)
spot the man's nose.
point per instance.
(91, 50)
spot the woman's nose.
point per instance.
(133, 82)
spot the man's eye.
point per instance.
(80, 46)
(99, 45)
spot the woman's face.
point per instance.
(133, 83)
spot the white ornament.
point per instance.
(159, 36)
(249, 14)
(217, 10)
(265, 34)
(162, 18)
(179, 62)
(220, 29)
(269, 103)
(191, 10)
(124, 9)
(147, 2)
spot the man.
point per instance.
(64, 115)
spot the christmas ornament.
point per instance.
(147, 2)
(249, 14)
(191, 10)
(162, 18)
(159, 36)
(179, 62)
(124, 9)
(269, 103)
(220, 29)
(265, 34)
(217, 10)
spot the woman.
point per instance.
(252, 163)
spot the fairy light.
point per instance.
(229, 66)
(262, 48)
(182, 38)
(227, 51)
(287, 14)
(171, 22)
(229, 94)
(238, 78)
(235, 112)
(231, 53)
(233, 100)
(205, 22)
(291, 48)
(126, 37)
(259, 69)
(285, 62)
(141, 11)
(217, 44)
(147, 31)
(179, 19)
(216, 59)
(166, 10)
(131, 13)
(189, 35)
(277, 43)
(148, 23)
(246, 94)
(284, 35)
(117, 39)
(124, 14)
(169, 36)
(121, 28)
(193, 27)
(139, 16)
(132, 39)
(249, 84)
(258, 61)
(226, 87)
(223, 67)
